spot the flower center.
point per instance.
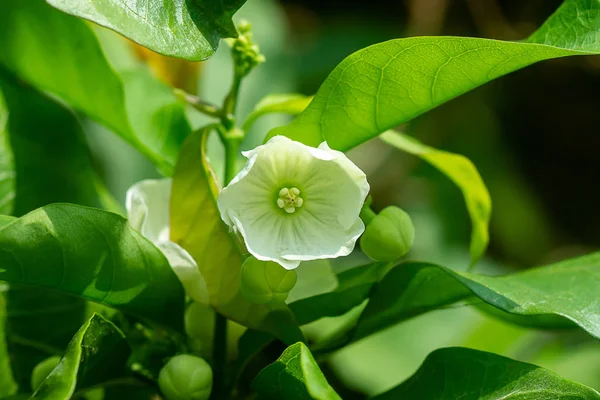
(289, 199)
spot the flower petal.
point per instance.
(186, 270)
(147, 206)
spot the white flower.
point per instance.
(294, 203)
(148, 212)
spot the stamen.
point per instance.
(289, 199)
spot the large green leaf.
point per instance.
(387, 84)
(188, 29)
(464, 174)
(61, 54)
(47, 152)
(567, 289)
(294, 376)
(468, 374)
(196, 225)
(97, 353)
(95, 255)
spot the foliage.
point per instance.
(90, 308)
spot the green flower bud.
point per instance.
(388, 236)
(265, 281)
(186, 377)
(42, 370)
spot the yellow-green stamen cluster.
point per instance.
(289, 199)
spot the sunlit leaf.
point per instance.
(196, 225)
(185, 29)
(567, 289)
(468, 374)
(61, 54)
(384, 85)
(464, 174)
(95, 255)
(98, 352)
(294, 376)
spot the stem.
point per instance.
(219, 391)
(230, 102)
(203, 106)
(219, 355)
(366, 214)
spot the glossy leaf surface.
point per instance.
(294, 376)
(384, 85)
(468, 374)
(95, 255)
(567, 289)
(189, 29)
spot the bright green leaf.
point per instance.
(294, 376)
(384, 85)
(95, 255)
(61, 54)
(196, 225)
(567, 289)
(184, 29)
(454, 373)
(98, 352)
(464, 174)
(292, 103)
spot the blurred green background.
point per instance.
(533, 135)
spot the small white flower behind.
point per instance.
(148, 212)
(294, 203)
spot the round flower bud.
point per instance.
(186, 377)
(388, 236)
(265, 281)
(42, 370)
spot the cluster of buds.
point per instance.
(246, 54)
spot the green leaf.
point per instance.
(8, 385)
(39, 324)
(59, 53)
(291, 103)
(7, 170)
(95, 255)
(47, 152)
(468, 374)
(354, 287)
(196, 226)
(464, 174)
(97, 353)
(188, 29)
(384, 85)
(567, 289)
(294, 376)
